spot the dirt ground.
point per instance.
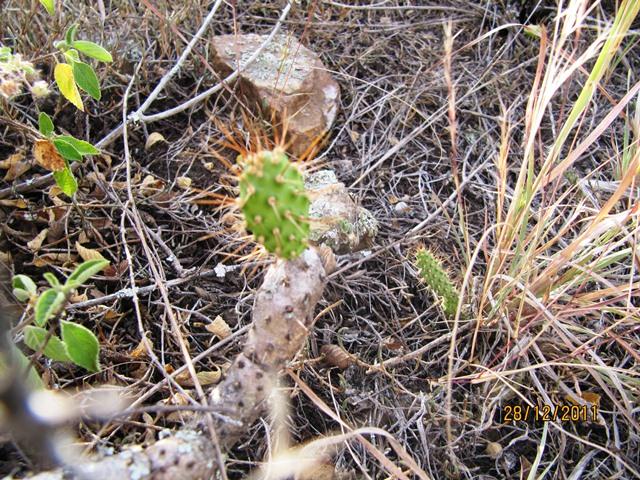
(391, 145)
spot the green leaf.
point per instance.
(67, 150)
(47, 305)
(71, 55)
(82, 345)
(55, 349)
(86, 79)
(24, 283)
(85, 271)
(70, 34)
(50, 5)
(45, 124)
(21, 295)
(83, 148)
(66, 181)
(52, 279)
(93, 50)
(63, 74)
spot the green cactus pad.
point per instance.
(274, 203)
(437, 279)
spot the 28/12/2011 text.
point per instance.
(549, 413)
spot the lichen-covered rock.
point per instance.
(287, 79)
(336, 220)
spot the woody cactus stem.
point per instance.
(283, 315)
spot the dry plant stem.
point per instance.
(283, 315)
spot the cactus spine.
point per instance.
(274, 203)
(435, 276)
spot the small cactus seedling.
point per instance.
(435, 276)
(274, 203)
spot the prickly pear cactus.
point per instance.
(274, 203)
(437, 279)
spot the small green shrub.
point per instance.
(73, 74)
(77, 343)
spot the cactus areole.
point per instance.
(274, 203)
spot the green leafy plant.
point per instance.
(73, 74)
(435, 276)
(57, 151)
(274, 202)
(77, 343)
(50, 6)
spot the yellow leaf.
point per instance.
(63, 75)
(88, 253)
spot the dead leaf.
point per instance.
(15, 166)
(47, 156)
(142, 350)
(63, 259)
(150, 185)
(78, 298)
(17, 203)
(219, 327)
(184, 182)
(153, 138)
(336, 356)
(35, 244)
(591, 397)
(88, 253)
(205, 378)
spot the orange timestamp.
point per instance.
(549, 413)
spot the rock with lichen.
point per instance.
(286, 79)
(336, 220)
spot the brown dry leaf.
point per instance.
(336, 356)
(150, 433)
(10, 160)
(88, 253)
(219, 327)
(591, 397)
(111, 316)
(17, 203)
(142, 350)
(78, 298)
(63, 259)
(47, 156)
(150, 185)
(184, 182)
(205, 378)
(15, 166)
(391, 343)
(35, 244)
(153, 138)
